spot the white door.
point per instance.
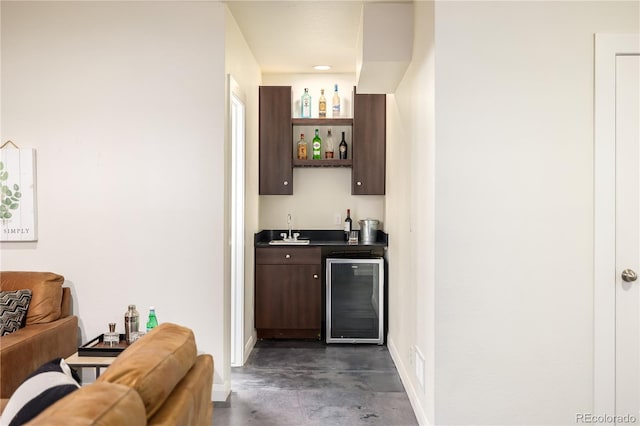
(627, 305)
(616, 361)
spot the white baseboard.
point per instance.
(248, 347)
(408, 384)
(221, 391)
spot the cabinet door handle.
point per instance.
(315, 276)
(359, 183)
(287, 256)
(286, 182)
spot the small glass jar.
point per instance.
(111, 338)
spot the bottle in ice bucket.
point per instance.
(131, 324)
(153, 321)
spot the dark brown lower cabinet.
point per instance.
(288, 293)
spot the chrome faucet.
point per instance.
(290, 237)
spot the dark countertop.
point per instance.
(323, 238)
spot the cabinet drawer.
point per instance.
(288, 256)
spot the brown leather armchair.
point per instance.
(50, 331)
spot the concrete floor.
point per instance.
(311, 383)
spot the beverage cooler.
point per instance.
(355, 300)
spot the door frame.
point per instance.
(607, 47)
(237, 105)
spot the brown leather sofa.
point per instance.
(50, 331)
(158, 380)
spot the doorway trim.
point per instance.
(237, 118)
(607, 47)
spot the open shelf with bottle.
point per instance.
(307, 126)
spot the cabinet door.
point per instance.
(288, 297)
(369, 144)
(276, 168)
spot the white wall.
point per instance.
(514, 208)
(241, 64)
(409, 213)
(124, 103)
(313, 186)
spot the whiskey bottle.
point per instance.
(302, 148)
(328, 145)
(317, 145)
(322, 105)
(305, 104)
(343, 148)
(335, 107)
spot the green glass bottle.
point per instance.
(317, 144)
(153, 321)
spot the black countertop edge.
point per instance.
(316, 237)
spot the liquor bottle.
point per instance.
(302, 148)
(317, 145)
(347, 225)
(343, 148)
(153, 320)
(305, 104)
(322, 105)
(328, 145)
(336, 102)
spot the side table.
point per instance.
(96, 362)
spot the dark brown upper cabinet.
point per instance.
(369, 144)
(275, 139)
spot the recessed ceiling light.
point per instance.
(321, 67)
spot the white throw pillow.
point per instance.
(48, 384)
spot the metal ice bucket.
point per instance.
(368, 230)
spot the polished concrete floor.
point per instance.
(310, 383)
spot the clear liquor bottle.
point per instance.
(305, 104)
(317, 146)
(328, 145)
(335, 107)
(322, 105)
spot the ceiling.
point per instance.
(290, 37)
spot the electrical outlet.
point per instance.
(337, 219)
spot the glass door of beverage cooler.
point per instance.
(355, 301)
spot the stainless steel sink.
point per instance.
(288, 241)
(289, 238)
